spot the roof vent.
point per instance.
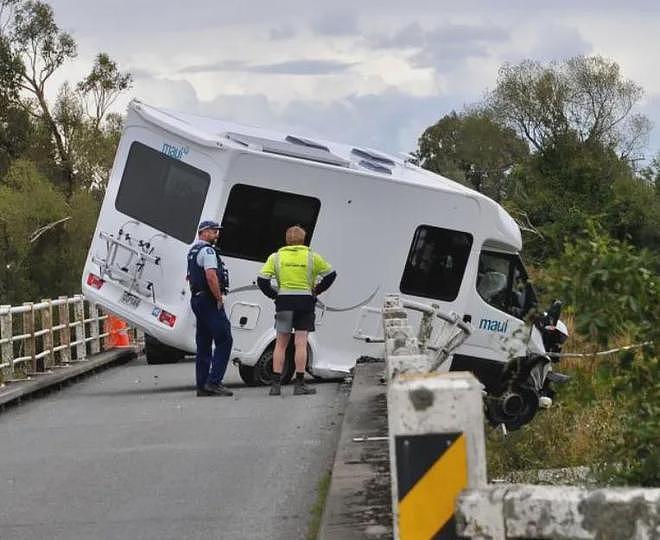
(372, 156)
(270, 146)
(375, 167)
(306, 142)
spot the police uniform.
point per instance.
(212, 322)
(296, 269)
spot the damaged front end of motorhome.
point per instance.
(386, 226)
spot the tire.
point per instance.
(158, 353)
(513, 422)
(263, 369)
(247, 374)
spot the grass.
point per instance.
(578, 430)
(316, 513)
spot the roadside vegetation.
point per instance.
(560, 145)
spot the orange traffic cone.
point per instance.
(117, 332)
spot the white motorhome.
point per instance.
(386, 226)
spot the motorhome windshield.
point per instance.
(502, 282)
(163, 192)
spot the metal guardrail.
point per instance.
(37, 336)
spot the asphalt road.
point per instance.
(130, 453)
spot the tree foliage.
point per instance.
(101, 88)
(472, 148)
(577, 117)
(609, 285)
(614, 289)
(585, 96)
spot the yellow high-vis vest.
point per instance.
(296, 269)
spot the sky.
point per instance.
(374, 73)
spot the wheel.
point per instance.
(159, 353)
(513, 408)
(247, 374)
(263, 369)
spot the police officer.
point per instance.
(296, 269)
(208, 281)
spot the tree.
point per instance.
(102, 87)
(36, 48)
(42, 48)
(587, 97)
(55, 157)
(474, 149)
(562, 188)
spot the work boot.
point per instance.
(202, 392)
(217, 390)
(301, 389)
(275, 388)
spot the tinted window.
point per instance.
(162, 192)
(256, 219)
(436, 263)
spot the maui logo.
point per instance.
(493, 325)
(176, 152)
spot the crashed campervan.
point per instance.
(386, 225)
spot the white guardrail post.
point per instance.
(94, 333)
(48, 358)
(6, 344)
(65, 330)
(29, 342)
(79, 316)
(436, 433)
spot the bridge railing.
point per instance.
(36, 336)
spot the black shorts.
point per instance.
(287, 320)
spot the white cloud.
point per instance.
(376, 71)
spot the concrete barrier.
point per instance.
(559, 512)
(437, 449)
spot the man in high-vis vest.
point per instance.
(301, 275)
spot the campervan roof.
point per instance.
(215, 133)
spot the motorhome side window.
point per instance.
(163, 192)
(502, 283)
(436, 263)
(256, 219)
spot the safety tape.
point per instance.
(601, 353)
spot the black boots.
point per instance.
(214, 390)
(300, 389)
(275, 389)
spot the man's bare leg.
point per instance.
(300, 341)
(279, 353)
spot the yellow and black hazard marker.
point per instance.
(431, 472)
